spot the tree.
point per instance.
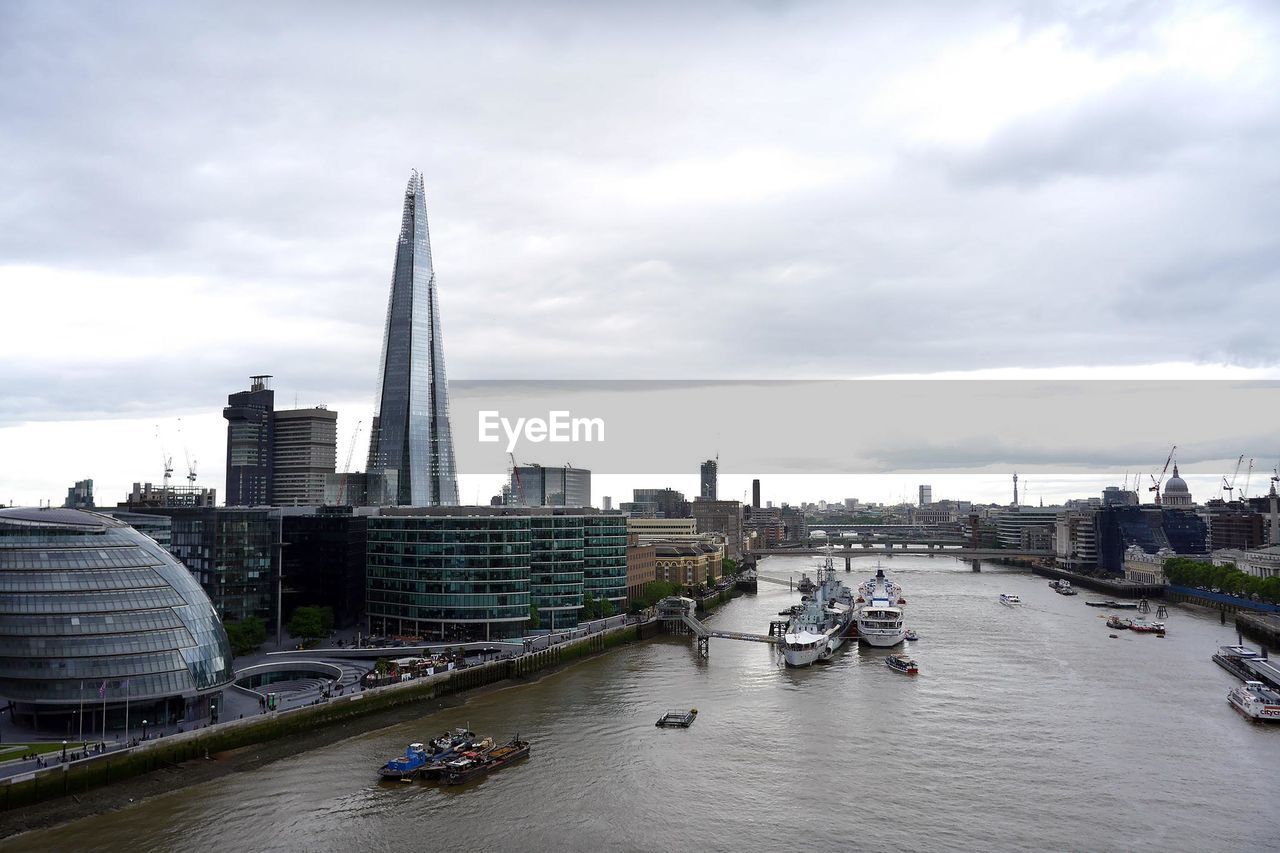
(311, 623)
(535, 621)
(590, 608)
(655, 591)
(729, 566)
(246, 636)
(606, 607)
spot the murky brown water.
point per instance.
(1027, 729)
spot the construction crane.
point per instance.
(346, 468)
(1248, 475)
(518, 497)
(1229, 487)
(166, 459)
(191, 463)
(1156, 484)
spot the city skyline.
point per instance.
(944, 197)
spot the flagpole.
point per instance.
(82, 711)
(126, 712)
(104, 713)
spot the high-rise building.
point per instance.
(606, 503)
(721, 517)
(305, 451)
(755, 493)
(79, 496)
(250, 443)
(534, 485)
(411, 423)
(708, 476)
(926, 495)
(666, 503)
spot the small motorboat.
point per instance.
(910, 635)
(1118, 624)
(902, 664)
(677, 719)
(1009, 599)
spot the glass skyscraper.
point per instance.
(411, 423)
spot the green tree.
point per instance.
(535, 621)
(606, 607)
(729, 566)
(305, 624)
(590, 608)
(655, 591)
(246, 636)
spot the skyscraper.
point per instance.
(250, 443)
(708, 476)
(306, 450)
(411, 422)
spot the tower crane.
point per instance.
(1229, 487)
(1248, 475)
(518, 497)
(191, 463)
(346, 468)
(1156, 484)
(166, 459)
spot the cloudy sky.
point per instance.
(192, 194)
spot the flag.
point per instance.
(102, 691)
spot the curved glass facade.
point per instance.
(93, 610)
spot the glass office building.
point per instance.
(411, 423)
(448, 577)
(475, 573)
(93, 616)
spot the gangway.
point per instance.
(703, 634)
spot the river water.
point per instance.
(1027, 729)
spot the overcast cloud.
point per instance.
(194, 193)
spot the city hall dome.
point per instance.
(93, 614)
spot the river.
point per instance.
(1027, 729)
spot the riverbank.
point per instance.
(65, 792)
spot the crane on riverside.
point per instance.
(1156, 484)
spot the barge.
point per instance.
(677, 719)
(468, 768)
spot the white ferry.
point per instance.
(1009, 599)
(819, 626)
(880, 612)
(1256, 701)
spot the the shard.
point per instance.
(411, 432)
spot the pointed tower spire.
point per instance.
(411, 433)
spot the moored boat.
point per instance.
(821, 624)
(1118, 624)
(1256, 701)
(1009, 599)
(901, 663)
(1146, 627)
(910, 635)
(880, 604)
(470, 767)
(418, 757)
(677, 719)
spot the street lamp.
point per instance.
(64, 751)
(144, 729)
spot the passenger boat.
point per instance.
(469, 767)
(1256, 701)
(1059, 585)
(1146, 627)
(910, 635)
(1231, 658)
(901, 663)
(677, 719)
(1009, 599)
(880, 612)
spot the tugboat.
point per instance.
(1118, 624)
(902, 664)
(418, 757)
(469, 767)
(1256, 701)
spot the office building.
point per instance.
(1116, 496)
(323, 562)
(230, 551)
(474, 573)
(606, 503)
(370, 488)
(95, 613)
(146, 495)
(534, 485)
(79, 496)
(1151, 528)
(665, 503)
(1075, 540)
(410, 432)
(926, 495)
(707, 474)
(662, 528)
(305, 452)
(721, 517)
(755, 493)
(250, 443)
(1236, 527)
(689, 565)
(641, 569)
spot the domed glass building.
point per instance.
(94, 617)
